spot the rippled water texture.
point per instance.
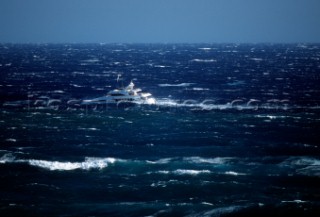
(234, 131)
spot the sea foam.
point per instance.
(190, 172)
(176, 85)
(89, 163)
(201, 160)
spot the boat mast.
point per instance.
(118, 78)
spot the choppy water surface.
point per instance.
(234, 132)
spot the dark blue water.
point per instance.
(234, 132)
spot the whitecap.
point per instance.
(204, 60)
(176, 85)
(304, 165)
(160, 161)
(76, 85)
(166, 102)
(190, 172)
(256, 59)
(163, 172)
(7, 158)
(294, 201)
(205, 48)
(309, 171)
(232, 173)
(89, 163)
(58, 91)
(162, 184)
(303, 161)
(221, 211)
(88, 129)
(200, 89)
(160, 66)
(200, 160)
(78, 73)
(206, 203)
(55, 165)
(149, 144)
(266, 116)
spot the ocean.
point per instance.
(234, 130)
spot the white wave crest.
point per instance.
(294, 201)
(160, 161)
(190, 172)
(221, 211)
(232, 173)
(301, 161)
(163, 172)
(307, 161)
(304, 165)
(204, 60)
(192, 160)
(7, 158)
(205, 105)
(200, 89)
(181, 172)
(200, 160)
(176, 85)
(310, 171)
(89, 163)
(208, 105)
(166, 102)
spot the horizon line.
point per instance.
(164, 43)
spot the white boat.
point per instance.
(128, 94)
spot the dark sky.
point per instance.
(159, 21)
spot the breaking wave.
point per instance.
(204, 60)
(192, 160)
(190, 172)
(182, 172)
(301, 161)
(101, 163)
(176, 85)
(208, 105)
(7, 158)
(193, 165)
(192, 104)
(87, 164)
(200, 160)
(304, 165)
(220, 211)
